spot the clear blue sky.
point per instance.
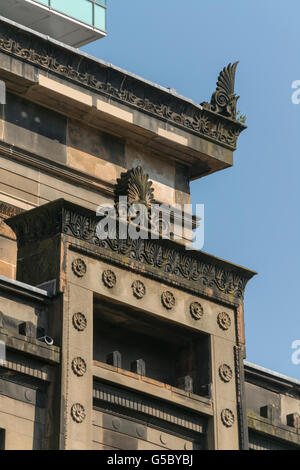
(252, 209)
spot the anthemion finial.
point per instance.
(223, 100)
(135, 184)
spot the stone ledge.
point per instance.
(30, 346)
(279, 431)
(152, 388)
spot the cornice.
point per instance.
(164, 260)
(115, 83)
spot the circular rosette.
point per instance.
(138, 289)
(109, 278)
(225, 373)
(79, 267)
(79, 321)
(168, 300)
(79, 366)
(196, 310)
(78, 413)
(227, 418)
(224, 321)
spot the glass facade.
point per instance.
(90, 12)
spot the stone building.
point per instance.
(273, 408)
(118, 343)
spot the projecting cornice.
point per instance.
(163, 260)
(209, 122)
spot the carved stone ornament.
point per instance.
(135, 184)
(79, 267)
(196, 310)
(168, 300)
(224, 100)
(225, 373)
(224, 321)
(109, 278)
(79, 366)
(116, 424)
(162, 260)
(138, 289)
(7, 210)
(78, 412)
(227, 418)
(116, 85)
(79, 321)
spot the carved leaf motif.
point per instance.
(223, 101)
(226, 79)
(135, 184)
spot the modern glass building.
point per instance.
(73, 22)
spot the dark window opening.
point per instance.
(2, 439)
(155, 348)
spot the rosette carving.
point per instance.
(78, 412)
(227, 418)
(224, 321)
(109, 278)
(196, 310)
(225, 373)
(79, 267)
(79, 366)
(79, 321)
(138, 289)
(168, 300)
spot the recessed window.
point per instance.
(137, 342)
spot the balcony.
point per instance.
(75, 23)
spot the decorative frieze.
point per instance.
(7, 210)
(164, 260)
(215, 121)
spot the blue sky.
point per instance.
(252, 209)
